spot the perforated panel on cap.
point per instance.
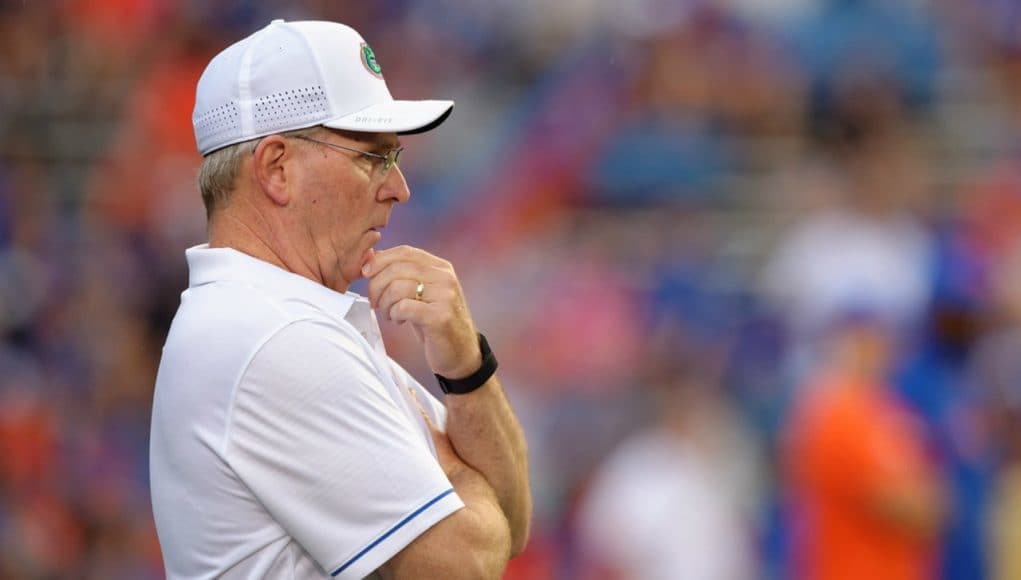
(222, 124)
(292, 75)
(289, 109)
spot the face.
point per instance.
(343, 201)
(866, 348)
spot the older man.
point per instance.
(285, 442)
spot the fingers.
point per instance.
(433, 276)
(398, 279)
(383, 258)
(445, 454)
(423, 314)
(448, 459)
(394, 292)
(385, 266)
(439, 316)
(441, 297)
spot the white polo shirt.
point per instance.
(285, 442)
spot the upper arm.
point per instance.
(334, 460)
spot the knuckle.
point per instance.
(445, 316)
(443, 273)
(376, 286)
(397, 310)
(446, 267)
(397, 300)
(407, 269)
(449, 294)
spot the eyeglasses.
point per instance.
(391, 158)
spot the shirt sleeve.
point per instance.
(335, 461)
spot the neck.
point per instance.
(227, 230)
(250, 232)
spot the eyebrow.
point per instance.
(385, 147)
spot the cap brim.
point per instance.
(402, 117)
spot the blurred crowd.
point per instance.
(752, 269)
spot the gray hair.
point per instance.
(221, 168)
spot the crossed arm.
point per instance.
(483, 452)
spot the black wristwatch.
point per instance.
(474, 380)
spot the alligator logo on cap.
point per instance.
(369, 60)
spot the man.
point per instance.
(866, 499)
(285, 442)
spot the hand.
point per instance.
(440, 317)
(449, 460)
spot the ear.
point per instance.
(271, 162)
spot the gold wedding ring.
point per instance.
(419, 290)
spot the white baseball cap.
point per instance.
(292, 75)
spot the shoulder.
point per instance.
(229, 313)
(310, 381)
(313, 350)
(221, 330)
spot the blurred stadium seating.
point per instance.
(653, 206)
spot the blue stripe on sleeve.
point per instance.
(392, 530)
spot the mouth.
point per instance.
(375, 233)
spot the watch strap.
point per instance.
(474, 380)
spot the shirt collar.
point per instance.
(207, 265)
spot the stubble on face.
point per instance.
(341, 206)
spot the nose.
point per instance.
(394, 187)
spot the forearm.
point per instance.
(411, 285)
(472, 543)
(486, 434)
(485, 517)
